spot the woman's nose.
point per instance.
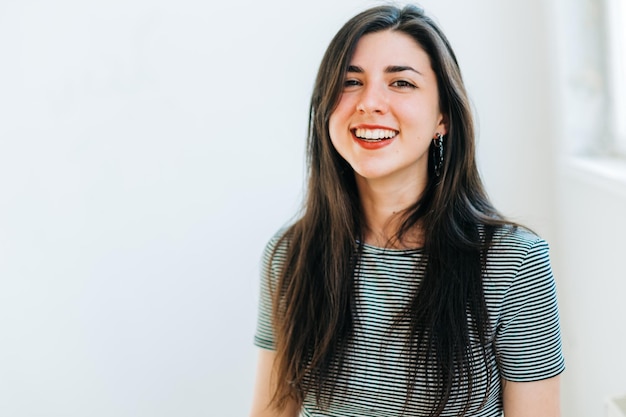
(373, 99)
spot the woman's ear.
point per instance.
(443, 124)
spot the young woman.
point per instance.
(401, 290)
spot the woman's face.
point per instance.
(389, 111)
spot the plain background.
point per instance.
(149, 149)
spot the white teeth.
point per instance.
(375, 134)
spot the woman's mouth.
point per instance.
(374, 135)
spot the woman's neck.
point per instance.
(384, 206)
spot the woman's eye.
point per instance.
(351, 83)
(403, 84)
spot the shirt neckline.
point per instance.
(381, 250)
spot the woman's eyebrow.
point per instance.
(354, 68)
(390, 69)
(400, 68)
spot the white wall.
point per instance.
(591, 246)
(591, 202)
(148, 149)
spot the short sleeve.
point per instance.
(271, 264)
(528, 337)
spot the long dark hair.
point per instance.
(314, 300)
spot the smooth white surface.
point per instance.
(148, 150)
(616, 407)
(590, 251)
(591, 199)
(616, 49)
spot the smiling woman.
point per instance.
(401, 290)
(390, 104)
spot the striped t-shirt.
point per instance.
(524, 328)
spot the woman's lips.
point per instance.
(373, 137)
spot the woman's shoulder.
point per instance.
(515, 252)
(515, 238)
(518, 267)
(276, 248)
(279, 242)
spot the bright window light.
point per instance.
(616, 25)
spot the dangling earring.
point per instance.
(438, 153)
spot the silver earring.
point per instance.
(438, 153)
